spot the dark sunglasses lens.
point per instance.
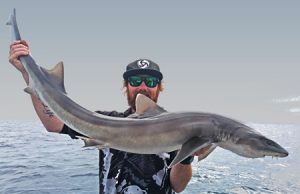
(151, 82)
(135, 81)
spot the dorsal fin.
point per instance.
(56, 76)
(145, 107)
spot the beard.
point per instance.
(132, 96)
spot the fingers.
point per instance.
(24, 43)
(17, 42)
(17, 49)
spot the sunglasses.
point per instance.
(149, 81)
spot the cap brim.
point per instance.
(142, 71)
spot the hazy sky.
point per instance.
(236, 58)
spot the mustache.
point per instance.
(144, 92)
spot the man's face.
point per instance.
(133, 88)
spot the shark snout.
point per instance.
(282, 153)
(275, 149)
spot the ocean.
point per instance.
(35, 161)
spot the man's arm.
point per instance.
(181, 174)
(49, 120)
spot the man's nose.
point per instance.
(143, 85)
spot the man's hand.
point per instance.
(204, 152)
(17, 49)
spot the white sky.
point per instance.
(239, 59)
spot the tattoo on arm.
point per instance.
(47, 111)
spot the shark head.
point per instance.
(256, 146)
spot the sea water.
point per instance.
(35, 161)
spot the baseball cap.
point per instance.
(142, 66)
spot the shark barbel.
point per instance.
(151, 130)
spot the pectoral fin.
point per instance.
(89, 142)
(189, 148)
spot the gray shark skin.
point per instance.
(151, 130)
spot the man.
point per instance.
(122, 172)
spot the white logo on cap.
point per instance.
(143, 63)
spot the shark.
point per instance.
(151, 129)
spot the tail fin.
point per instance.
(12, 21)
(9, 22)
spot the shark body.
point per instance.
(151, 130)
